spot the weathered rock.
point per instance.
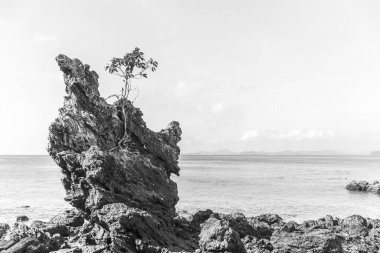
(100, 175)
(25, 244)
(355, 225)
(4, 228)
(51, 228)
(71, 250)
(19, 231)
(217, 236)
(270, 218)
(70, 218)
(252, 245)
(318, 241)
(290, 227)
(199, 218)
(6, 244)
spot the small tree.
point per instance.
(131, 66)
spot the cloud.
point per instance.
(295, 135)
(44, 38)
(249, 135)
(183, 89)
(217, 107)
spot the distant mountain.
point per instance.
(216, 152)
(317, 152)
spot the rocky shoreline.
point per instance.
(365, 186)
(205, 231)
(124, 198)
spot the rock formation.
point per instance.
(127, 191)
(364, 186)
(124, 197)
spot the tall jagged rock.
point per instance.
(128, 190)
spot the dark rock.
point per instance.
(216, 236)
(290, 227)
(23, 245)
(6, 245)
(270, 218)
(19, 231)
(133, 225)
(254, 245)
(373, 223)
(4, 228)
(71, 250)
(364, 186)
(199, 218)
(22, 218)
(239, 223)
(51, 228)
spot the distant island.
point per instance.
(285, 152)
(375, 153)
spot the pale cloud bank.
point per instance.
(296, 135)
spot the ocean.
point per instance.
(295, 187)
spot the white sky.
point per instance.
(243, 75)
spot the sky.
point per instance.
(239, 75)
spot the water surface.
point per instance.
(296, 187)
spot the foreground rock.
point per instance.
(364, 186)
(204, 231)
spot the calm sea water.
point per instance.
(295, 187)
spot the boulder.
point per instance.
(22, 218)
(270, 219)
(71, 218)
(217, 236)
(261, 229)
(199, 218)
(355, 225)
(239, 223)
(373, 187)
(290, 227)
(317, 241)
(4, 228)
